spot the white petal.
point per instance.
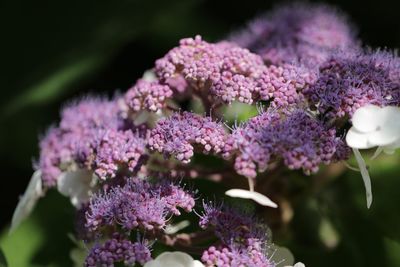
(365, 176)
(384, 137)
(257, 197)
(389, 131)
(197, 263)
(366, 118)
(357, 139)
(175, 259)
(76, 185)
(173, 229)
(299, 264)
(28, 201)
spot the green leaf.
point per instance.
(3, 261)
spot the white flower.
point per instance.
(257, 197)
(373, 127)
(33, 192)
(77, 185)
(174, 259)
(251, 194)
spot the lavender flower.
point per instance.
(74, 139)
(225, 72)
(350, 80)
(92, 135)
(178, 134)
(118, 250)
(138, 204)
(297, 32)
(147, 95)
(222, 256)
(243, 238)
(116, 149)
(302, 141)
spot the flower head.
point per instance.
(137, 204)
(226, 72)
(302, 141)
(178, 134)
(147, 95)
(350, 80)
(298, 32)
(118, 250)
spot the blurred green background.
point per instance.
(55, 51)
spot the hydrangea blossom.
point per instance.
(178, 134)
(94, 136)
(350, 80)
(118, 250)
(74, 139)
(303, 142)
(227, 73)
(242, 238)
(116, 149)
(373, 126)
(302, 62)
(138, 204)
(147, 95)
(298, 32)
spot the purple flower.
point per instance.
(350, 80)
(298, 32)
(118, 250)
(302, 141)
(116, 149)
(243, 239)
(147, 95)
(224, 72)
(138, 204)
(178, 134)
(74, 139)
(91, 135)
(223, 256)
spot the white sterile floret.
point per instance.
(174, 259)
(33, 192)
(77, 185)
(373, 126)
(247, 194)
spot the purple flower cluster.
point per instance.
(179, 134)
(137, 204)
(147, 95)
(116, 149)
(223, 256)
(350, 80)
(302, 141)
(243, 239)
(74, 139)
(118, 250)
(228, 72)
(302, 62)
(91, 135)
(298, 32)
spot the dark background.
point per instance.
(54, 51)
